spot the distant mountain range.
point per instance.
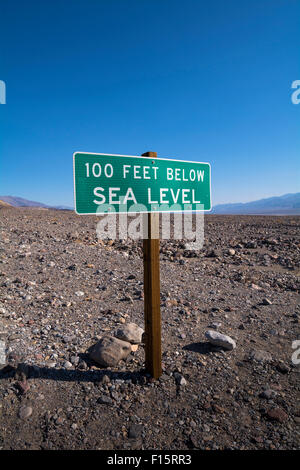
(288, 204)
(21, 202)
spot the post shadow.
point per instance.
(33, 371)
(204, 348)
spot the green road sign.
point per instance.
(121, 183)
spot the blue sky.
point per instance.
(193, 80)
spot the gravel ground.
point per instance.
(61, 290)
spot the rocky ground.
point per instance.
(61, 290)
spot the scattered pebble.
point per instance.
(259, 355)
(277, 414)
(25, 412)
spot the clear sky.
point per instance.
(194, 80)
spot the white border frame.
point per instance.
(138, 156)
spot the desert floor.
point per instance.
(61, 290)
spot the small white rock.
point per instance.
(67, 365)
(182, 382)
(255, 287)
(79, 293)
